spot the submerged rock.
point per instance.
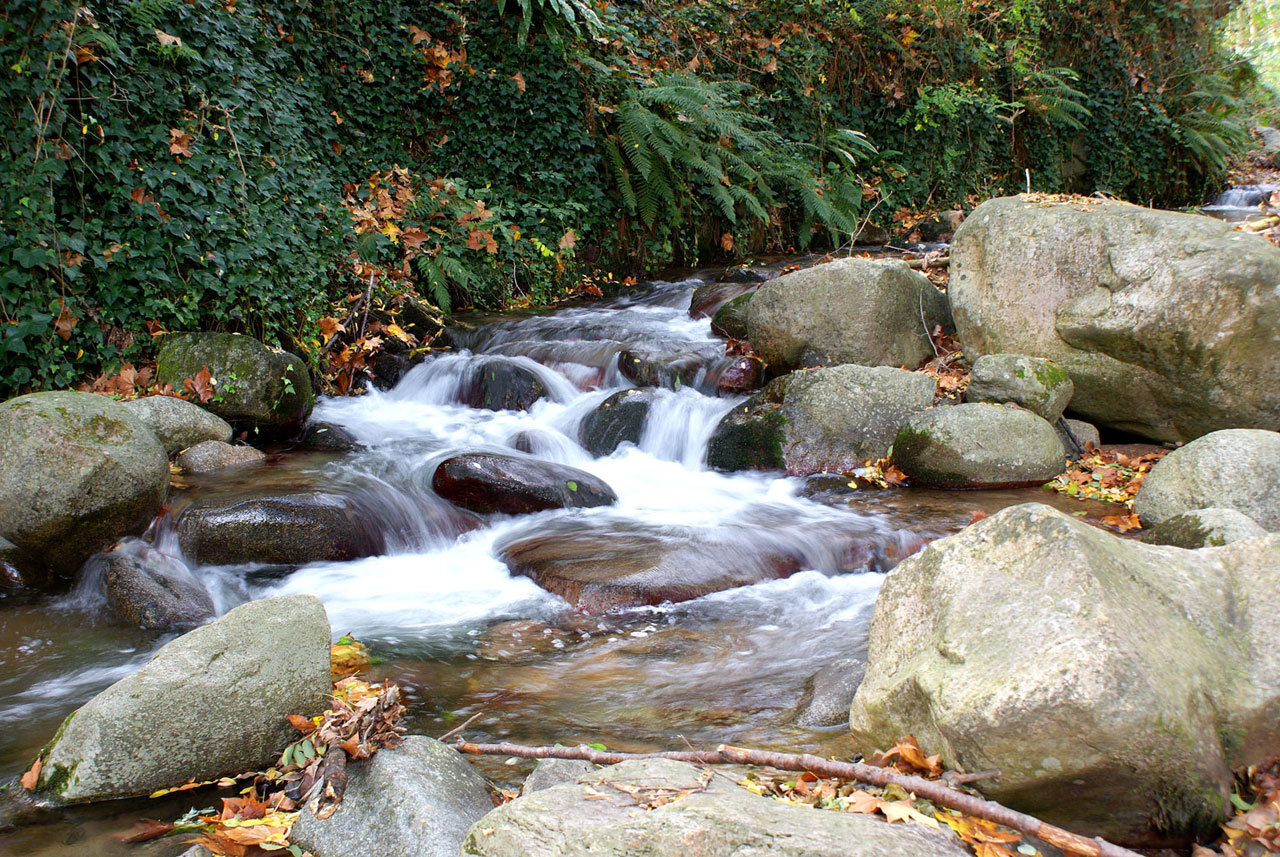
(512, 485)
(712, 818)
(1233, 469)
(210, 703)
(978, 446)
(79, 471)
(709, 297)
(253, 384)
(213, 455)
(1037, 385)
(152, 591)
(821, 419)
(1204, 528)
(672, 370)
(1116, 685)
(285, 529)
(863, 311)
(417, 800)
(619, 419)
(1167, 323)
(178, 423)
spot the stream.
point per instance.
(461, 633)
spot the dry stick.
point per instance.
(926, 264)
(938, 793)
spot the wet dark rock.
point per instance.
(15, 566)
(750, 437)
(659, 369)
(211, 455)
(500, 385)
(328, 437)
(512, 485)
(419, 319)
(830, 693)
(78, 472)
(743, 375)
(388, 368)
(152, 591)
(745, 274)
(710, 297)
(978, 446)
(289, 529)
(178, 423)
(619, 419)
(253, 385)
(730, 320)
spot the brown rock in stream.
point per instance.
(512, 485)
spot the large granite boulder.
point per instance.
(514, 485)
(831, 419)
(1233, 469)
(277, 529)
(710, 817)
(253, 385)
(1116, 685)
(213, 702)
(978, 446)
(179, 423)
(1029, 382)
(869, 312)
(1167, 323)
(417, 800)
(78, 471)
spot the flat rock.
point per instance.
(210, 455)
(513, 485)
(549, 773)
(417, 800)
(212, 702)
(179, 423)
(80, 471)
(1231, 469)
(597, 815)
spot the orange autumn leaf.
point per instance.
(519, 81)
(201, 386)
(568, 240)
(180, 142)
(32, 777)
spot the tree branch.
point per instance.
(937, 792)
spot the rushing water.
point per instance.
(460, 632)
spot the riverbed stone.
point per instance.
(417, 800)
(709, 297)
(816, 420)
(619, 419)
(327, 437)
(598, 815)
(515, 485)
(1167, 323)
(502, 385)
(1116, 685)
(978, 446)
(277, 529)
(655, 368)
(1232, 469)
(179, 423)
(152, 591)
(730, 321)
(830, 693)
(253, 385)
(549, 773)
(79, 471)
(1029, 382)
(211, 455)
(16, 568)
(864, 311)
(745, 374)
(1082, 435)
(1204, 528)
(212, 702)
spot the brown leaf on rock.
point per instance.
(31, 778)
(201, 386)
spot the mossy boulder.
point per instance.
(619, 419)
(1116, 685)
(212, 702)
(863, 311)
(831, 419)
(730, 320)
(1167, 323)
(253, 385)
(1204, 528)
(1233, 469)
(1038, 385)
(978, 446)
(79, 471)
(179, 423)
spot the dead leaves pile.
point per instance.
(1255, 830)
(895, 804)
(1111, 477)
(947, 368)
(310, 773)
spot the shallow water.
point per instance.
(465, 636)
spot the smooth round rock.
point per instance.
(1204, 528)
(1231, 469)
(512, 485)
(212, 455)
(978, 446)
(179, 423)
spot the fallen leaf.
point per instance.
(180, 142)
(519, 81)
(65, 322)
(726, 242)
(165, 39)
(201, 386)
(568, 240)
(32, 777)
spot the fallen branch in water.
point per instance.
(936, 792)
